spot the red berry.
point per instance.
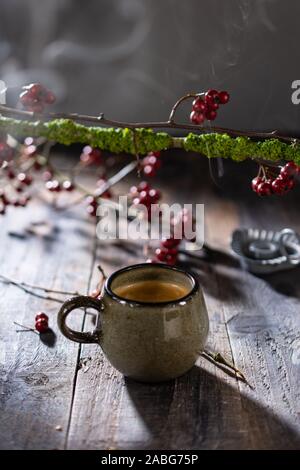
(154, 194)
(264, 188)
(156, 154)
(91, 201)
(198, 105)
(36, 90)
(41, 325)
(50, 98)
(211, 95)
(144, 198)
(92, 210)
(171, 260)
(90, 155)
(197, 118)
(143, 186)
(213, 106)
(161, 254)
(152, 160)
(68, 185)
(211, 115)
(289, 169)
(25, 179)
(26, 99)
(290, 184)
(149, 170)
(53, 185)
(223, 97)
(30, 150)
(255, 182)
(28, 141)
(170, 242)
(172, 251)
(41, 316)
(278, 186)
(136, 201)
(133, 190)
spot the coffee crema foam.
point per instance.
(152, 291)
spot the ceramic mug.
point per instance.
(149, 342)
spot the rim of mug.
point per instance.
(112, 294)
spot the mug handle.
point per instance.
(67, 307)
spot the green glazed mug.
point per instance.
(149, 342)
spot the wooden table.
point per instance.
(63, 395)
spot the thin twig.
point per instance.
(170, 124)
(6, 280)
(218, 358)
(33, 286)
(25, 328)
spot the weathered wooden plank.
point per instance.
(37, 380)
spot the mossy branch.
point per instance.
(120, 139)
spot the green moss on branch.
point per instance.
(66, 132)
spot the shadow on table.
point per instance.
(199, 411)
(285, 282)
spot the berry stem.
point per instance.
(178, 103)
(25, 328)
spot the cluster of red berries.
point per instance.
(151, 163)
(167, 252)
(168, 249)
(41, 322)
(92, 205)
(35, 96)
(145, 195)
(19, 182)
(205, 107)
(55, 186)
(276, 184)
(90, 155)
(17, 202)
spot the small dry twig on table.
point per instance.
(219, 359)
(27, 288)
(25, 328)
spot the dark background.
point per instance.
(132, 58)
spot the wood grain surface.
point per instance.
(55, 394)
